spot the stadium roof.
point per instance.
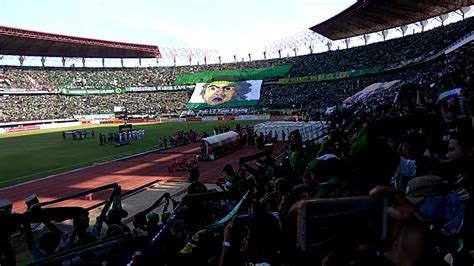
(368, 16)
(33, 43)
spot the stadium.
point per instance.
(360, 154)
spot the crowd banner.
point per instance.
(365, 71)
(446, 95)
(160, 88)
(331, 76)
(68, 91)
(231, 214)
(242, 74)
(6, 91)
(315, 78)
(224, 94)
(372, 89)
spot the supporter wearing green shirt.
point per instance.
(294, 157)
(325, 173)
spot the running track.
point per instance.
(130, 174)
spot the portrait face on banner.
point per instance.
(219, 92)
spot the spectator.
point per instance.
(195, 186)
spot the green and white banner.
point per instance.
(92, 91)
(233, 74)
(331, 76)
(223, 94)
(160, 88)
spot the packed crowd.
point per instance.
(417, 145)
(412, 144)
(51, 106)
(389, 54)
(327, 93)
(323, 94)
(33, 78)
(332, 93)
(414, 148)
(395, 52)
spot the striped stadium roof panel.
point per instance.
(14, 41)
(368, 16)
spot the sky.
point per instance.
(231, 27)
(237, 27)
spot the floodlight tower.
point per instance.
(301, 41)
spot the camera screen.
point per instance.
(352, 220)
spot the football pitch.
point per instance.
(27, 156)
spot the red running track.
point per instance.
(130, 174)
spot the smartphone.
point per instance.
(358, 220)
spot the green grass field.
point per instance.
(26, 156)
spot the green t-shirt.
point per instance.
(360, 143)
(294, 160)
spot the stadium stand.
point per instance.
(385, 55)
(404, 132)
(367, 16)
(360, 152)
(388, 54)
(51, 106)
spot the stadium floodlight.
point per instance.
(347, 42)
(43, 60)
(464, 10)
(189, 54)
(384, 34)
(302, 40)
(329, 45)
(22, 59)
(443, 18)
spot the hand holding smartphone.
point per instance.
(359, 220)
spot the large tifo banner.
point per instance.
(234, 74)
(220, 94)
